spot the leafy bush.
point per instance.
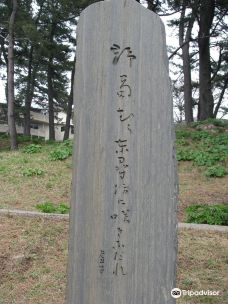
(68, 143)
(215, 171)
(63, 209)
(4, 136)
(46, 207)
(202, 158)
(205, 214)
(182, 142)
(200, 134)
(38, 140)
(63, 151)
(204, 148)
(32, 172)
(33, 148)
(23, 138)
(49, 207)
(182, 133)
(59, 154)
(185, 154)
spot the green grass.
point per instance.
(43, 174)
(34, 176)
(49, 207)
(204, 214)
(206, 148)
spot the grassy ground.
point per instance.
(24, 192)
(33, 252)
(197, 148)
(33, 262)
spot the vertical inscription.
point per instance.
(101, 261)
(123, 210)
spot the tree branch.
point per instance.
(221, 97)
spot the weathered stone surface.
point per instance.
(123, 215)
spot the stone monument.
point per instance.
(123, 225)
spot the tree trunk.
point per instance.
(50, 75)
(11, 99)
(220, 98)
(5, 56)
(183, 38)
(51, 100)
(30, 83)
(69, 106)
(28, 97)
(206, 100)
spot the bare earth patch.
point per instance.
(195, 188)
(33, 254)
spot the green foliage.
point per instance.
(200, 134)
(212, 121)
(59, 154)
(3, 169)
(68, 143)
(46, 207)
(182, 142)
(49, 207)
(37, 140)
(63, 209)
(182, 133)
(4, 136)
(215, 171)
(32, 172)
(23, 138)
(185, 154)
(202, 158)
(33, 148)
(204, 148)
(63, 151)
(205, 214)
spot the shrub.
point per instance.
(63, 209)
(4, 136)
(205, 214)
(203, 158)
(182, 133)
(68, 143)
(33, 148)
(215, 171)
(49, 207)
(182, 142)
(200, 134)
(46, 207)
(32, 172)
(37, 140)
(185, 154)
(59, 154)
(23, 138)
(63, 151)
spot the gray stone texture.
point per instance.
(146, 218)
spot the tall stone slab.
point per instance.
(123, 241)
